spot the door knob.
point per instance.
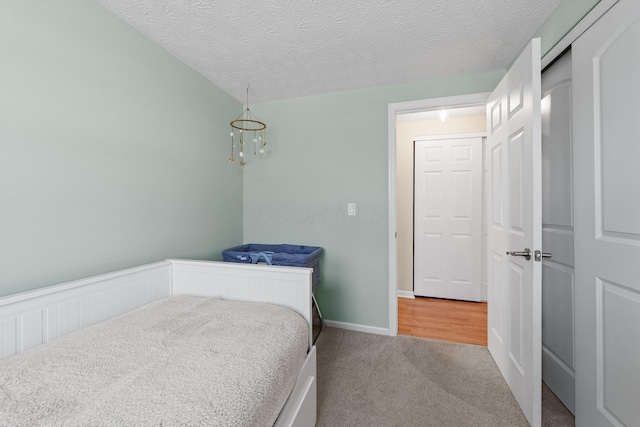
(538, 255)
(526, 253)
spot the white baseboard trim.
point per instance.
(406, 294)
(356, 327)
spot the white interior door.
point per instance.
(514, 223)
(557, 232)
(448, 218)
(606, 82)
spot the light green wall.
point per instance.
(112, 152)
(328, 150)
(564, 17)
(325, 151)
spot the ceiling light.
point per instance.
(443, 115)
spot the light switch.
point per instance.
(351, 209)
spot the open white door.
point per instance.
(606, 89)
(515, 225)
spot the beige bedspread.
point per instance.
(177, 361)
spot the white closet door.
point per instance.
(514, 225)
(606, 90)
(448, 218)
(557, 232)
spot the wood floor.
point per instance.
(441, 319)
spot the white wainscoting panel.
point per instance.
(33, 318)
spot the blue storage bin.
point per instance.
(288, 255)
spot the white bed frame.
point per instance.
(33, 318)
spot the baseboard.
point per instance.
(406, 294)
(356, 327)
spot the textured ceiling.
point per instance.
(290, 48)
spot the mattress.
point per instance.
(178, 361)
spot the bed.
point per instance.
(141, 350)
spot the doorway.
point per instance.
(443, 320)
(451, 129)
(399, 261)
(556, 158)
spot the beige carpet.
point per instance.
(374, 380)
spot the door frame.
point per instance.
(452, 102)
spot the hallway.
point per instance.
(442, 319)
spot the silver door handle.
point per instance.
(538, 255)
(526, 253)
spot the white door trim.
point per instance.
(451, 136)
(394, 109)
